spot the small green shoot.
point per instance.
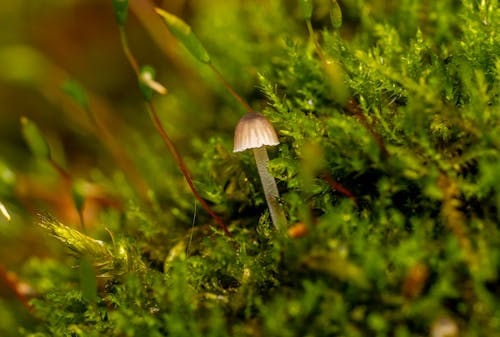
(76, 91)
(121, 10)
(35, 139)
(336, 15)
(182, 31)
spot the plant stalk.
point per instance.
(182, 166)
(230, 88)
(126, 49)
(166, 139)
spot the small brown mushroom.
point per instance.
(254, 131)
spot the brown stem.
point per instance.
(182, 166)
(230, 88)
(315, 42)
(454, 218)
(339, 187)
(353, 107)
(61, 171)
(68, 179)
(166, 139)
(130, 57)
(12, 282)
(100, 129)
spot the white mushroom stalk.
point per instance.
(255, 132)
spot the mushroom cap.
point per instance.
(253, 131)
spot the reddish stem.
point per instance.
(354, 108)
(130, 57)
(230, 88)
(166, 139)
(13, 283)
(339, 187)
(315, 42)
(61, 171)
(68, 179)
(182, 166)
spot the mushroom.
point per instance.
(254, 131)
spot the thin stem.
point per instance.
(351, 106)
(130, 57)
(354, 108)
(182, 166)
(339, 187)
(315, 42)
(454, 219)
(230, 88)
(117, 151)
(120, 155)
(68, 179)
(13, 283)
(270, 188)
(61, 171)
(166, 139)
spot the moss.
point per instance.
(396, 185)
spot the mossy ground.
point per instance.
(389, 157)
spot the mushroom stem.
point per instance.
(270, 188)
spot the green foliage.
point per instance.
(75, 90)
(389, 161)
(336, 15)
(35, 139)
(306, 7)
(183, 32)
(121, 11)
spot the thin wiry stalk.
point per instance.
(166, 139)
(230, 88)
(130, 57)
(16, 286)
(68, 180)
(182, 166)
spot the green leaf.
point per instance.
(74, 89)
(336, 15)
(79, 243)
(121, 9)
(35, 139)
(7, 177)
(182, 31)
(306, 8)
(77, 192)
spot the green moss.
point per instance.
(398, 186)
